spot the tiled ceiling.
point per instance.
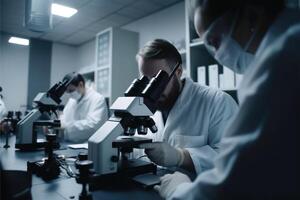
(92, 17)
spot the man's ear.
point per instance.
(81, 85)
(179, 71)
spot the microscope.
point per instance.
(45, 103)
(109, 148)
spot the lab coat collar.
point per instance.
(181, 99)
(178, 106)
(86, 95)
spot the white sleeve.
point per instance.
(81, 130)
(223, 111)
(2, 109)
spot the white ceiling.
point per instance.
(92, 17)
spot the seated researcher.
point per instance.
(3, 110)
(85, 111)
(195, 115)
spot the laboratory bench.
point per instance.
(65, 187)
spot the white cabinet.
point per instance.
(116, 65)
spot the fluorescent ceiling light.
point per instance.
(62, 11)
(20, 41)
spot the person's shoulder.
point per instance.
(96, 96)
(288, 42)
(207, 91)
(209, 94)
(284, 51)
(70, 103)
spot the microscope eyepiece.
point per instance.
(157, 85)
(136, 87)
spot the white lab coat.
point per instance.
(3, 111)
(82, 119)
(196, 122)
(259, 157)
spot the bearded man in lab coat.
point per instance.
(195, 115)
(85, 111)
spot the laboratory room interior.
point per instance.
(149, 99)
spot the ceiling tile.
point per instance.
(132, 12)
(53, 36)
(78, 38)
(146, 6)
(166, 2)
(117, 20)
(108, 4)
(95, 27)
(97, 10)
(124, 2)
(57, 20)
(79, 20)
(73, 3)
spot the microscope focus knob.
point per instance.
(82, 156)
(84, 165)
(153, 129)
(51, 137)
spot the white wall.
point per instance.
(86, 54)
(67, 58)
(63, 61)
(14, 61)
(167, 24)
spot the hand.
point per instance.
(169, 183)
(5, 126)
(163, 154)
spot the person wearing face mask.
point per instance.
(258, 158)
(194, 115)
(85, 111)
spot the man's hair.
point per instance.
(216, 8)
(161, 49)
(75, 78)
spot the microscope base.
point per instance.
(128, 170)
(35, 146)
(45, 169)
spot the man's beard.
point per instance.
(165, 103)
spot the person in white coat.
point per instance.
(3, 110)
(195, 115)
(258, 158)
(85, 111)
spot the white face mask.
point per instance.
(75, 95)
(230, 53)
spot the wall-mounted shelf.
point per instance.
(196, 44)
(198, 56)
